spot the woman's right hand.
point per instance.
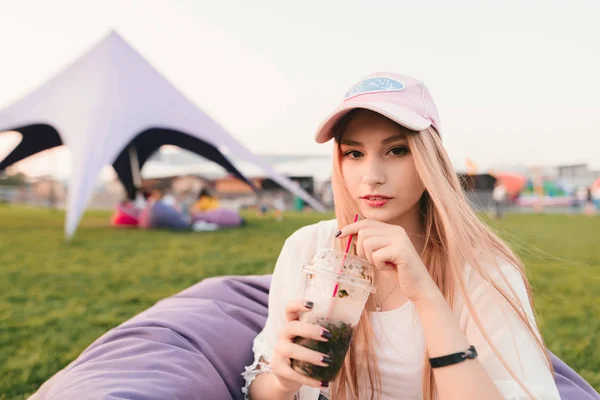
(285, 349)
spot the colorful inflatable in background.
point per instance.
(547, 192)
(550, 188)
(525, 191)
(513, 183)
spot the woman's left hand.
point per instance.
(389, 247)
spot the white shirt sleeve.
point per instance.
(287, 284)
(510, 336)
(284, 287)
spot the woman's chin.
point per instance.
(378, 214)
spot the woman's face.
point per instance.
(379, 170)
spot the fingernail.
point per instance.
(309, 304)
(324, 384)
(326, 334)
(326, 360)
(338, 233)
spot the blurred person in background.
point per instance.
(206, 202)
(279, 206)
(499, 196)
(590, 207)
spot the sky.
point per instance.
(515, 82)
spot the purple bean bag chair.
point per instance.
(162, 216)
(194, 345)
(222, 217)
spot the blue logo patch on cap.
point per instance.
(375, 85)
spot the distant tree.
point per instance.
(16, 179)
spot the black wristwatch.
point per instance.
(451, 359)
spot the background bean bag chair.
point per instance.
(125, 215)
(195, 345)
(222, 217)
(159, 215)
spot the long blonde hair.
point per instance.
(454, 237)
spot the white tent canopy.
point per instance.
(101, 102)
(8, 142)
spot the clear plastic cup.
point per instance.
(339, 314)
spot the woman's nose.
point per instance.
(374, 175)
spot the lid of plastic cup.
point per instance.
(352, 269)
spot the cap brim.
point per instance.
(401, 115)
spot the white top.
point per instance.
(400, 344)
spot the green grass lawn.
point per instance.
(56, 298)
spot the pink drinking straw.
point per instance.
(348, 245)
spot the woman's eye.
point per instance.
(399, 151)
(353, 154)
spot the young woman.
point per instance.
(452, 317)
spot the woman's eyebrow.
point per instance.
(394, 138)
(348, 142)
(391, 139)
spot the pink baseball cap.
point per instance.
(400, 98)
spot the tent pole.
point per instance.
(135, 167)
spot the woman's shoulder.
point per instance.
(493, 272)
(492, 268)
